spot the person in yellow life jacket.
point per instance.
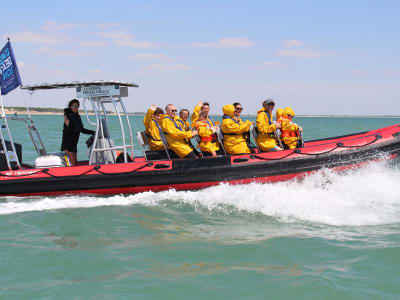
(183, 116)
(206, 133)
(151, 123)
(233, 129)
(279, 113)
(177, 136)
(266, 127)
(290, 130)
(201, 107)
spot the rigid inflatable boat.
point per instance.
(107, 172)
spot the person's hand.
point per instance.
(301, 129)
(194, 132)
(66, 121)
(153, 107)
(213, 129)
(200, 103)
(278, 125)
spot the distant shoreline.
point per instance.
(60, 111)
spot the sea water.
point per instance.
(327, 236)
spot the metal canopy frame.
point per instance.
(100, 112)
(75, 84)
(98, 108)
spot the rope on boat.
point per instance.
(338, 145)
(46, 171)
(95, 168)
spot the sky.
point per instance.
(320, 57)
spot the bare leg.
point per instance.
(72, 157)
(214, 154)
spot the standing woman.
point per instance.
(73, 127)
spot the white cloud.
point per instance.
(271, 63)
(226, 43)
(149, 56)
(107, 25)
(293, 43)
(93, 44)
(166, 67)
(53, 26)
(125, 39)
(57, 52)
(37, 38)
(306, 53)
(94, 71)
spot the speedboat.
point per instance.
(114, 169)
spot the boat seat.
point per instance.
(107, 156)
(220, 137)
(254, 134)
(143, 140)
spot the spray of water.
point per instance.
(368, 196)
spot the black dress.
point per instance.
(71, 133)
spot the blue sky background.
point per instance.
(320, 57)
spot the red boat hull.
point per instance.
(337, 153)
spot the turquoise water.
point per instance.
(328, 236)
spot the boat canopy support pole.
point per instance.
(129, 128)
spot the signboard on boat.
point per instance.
(97, 91)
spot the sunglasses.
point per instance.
(74, 106)
(271, 104)
(239, 108)
(173, 110)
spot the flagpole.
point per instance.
(4, 117)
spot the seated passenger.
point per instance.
(290, 130)
(201, 107)
(177, 136)
(234, 129)
(266, 127)
(183, 116)
(206, 133)
(151, 123)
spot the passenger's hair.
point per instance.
(158, 111)
(202, 114)
(72, 102)
(236, 104)
(205, 104)
(168, 105)
(184, 109)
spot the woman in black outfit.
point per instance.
(73, 127)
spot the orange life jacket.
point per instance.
(287, 133)
(204, 138)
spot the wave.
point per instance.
(368, 196)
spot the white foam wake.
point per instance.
(368, 196)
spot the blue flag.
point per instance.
(9, 75)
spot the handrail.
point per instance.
(86, 112)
